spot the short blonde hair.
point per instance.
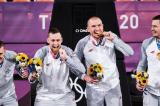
(93, 18)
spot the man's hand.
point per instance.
(63, 54)
(140, 87)
(25, 74)
(34, 76)
(88, 79)
(109, 35)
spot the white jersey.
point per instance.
(54, 79)
(153, 65)
(7, 87)
(105, 56)
(150, 63)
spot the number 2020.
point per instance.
(133, 21)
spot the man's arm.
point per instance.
(11, 56)
(9, 71)
(142, 65)
(41, 53)
(73, 62)
(119, 44)
(122, 46)
(79, 52)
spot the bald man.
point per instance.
(99, 47)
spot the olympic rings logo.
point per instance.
(78, 88)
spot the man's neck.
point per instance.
(95, 38)
(55, 55)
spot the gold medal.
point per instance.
(100, 34)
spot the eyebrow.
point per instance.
(97, 25)
(55, 39)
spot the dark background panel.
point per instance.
(71, 19)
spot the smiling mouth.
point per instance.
(55, 47)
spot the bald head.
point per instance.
(95, 27)
(90, 20)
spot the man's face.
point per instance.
(2, 51)
(95, 27)
(155, 28)
(54, 41)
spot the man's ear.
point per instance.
(48, 40)
(62, 40)
(4, 50)
(87, 29)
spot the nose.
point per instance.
(55, 43)
(151, 28)
(97, 27)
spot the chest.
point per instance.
(152, 52)
(54, 66)
(6, 69)
(91, 50)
